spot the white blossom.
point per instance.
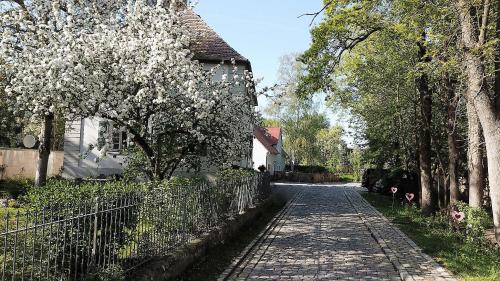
(128, 62)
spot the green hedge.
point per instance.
(235, 174)
(175, 209)
(308, 169)
(15, 187)
(66, 191)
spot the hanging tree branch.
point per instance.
(316, 14)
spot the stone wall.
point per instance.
(22, 163)
(173, 265)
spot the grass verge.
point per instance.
(471, 261)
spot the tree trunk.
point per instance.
(428, 195)
(491, 129)
(485, 107)
(497, 58)
(452, 147)
(439, 189)
(44, 151)
(475, 158)
(446, 192)
(417, 154)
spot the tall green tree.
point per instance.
(298, 116)
(332, 148)
(383, 60)
(476, 19)
(356, 162)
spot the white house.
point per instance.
(268, 149)
(82, 134)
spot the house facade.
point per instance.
(83, 153)
(268, 149)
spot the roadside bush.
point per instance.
(68, 204)
(12, 203)
(262, 168)
(88, 215)
(180, 206)
(64, 200)
(381, 181)
(308, 169)
(235, 174)
(475, 223)
(67, 191)
(186, 207)
(112, 273)
(469, 257)
(15, 187)
(371, 177)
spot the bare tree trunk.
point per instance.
(475, 159)
(440, 188)
(428, 195)
(497, 57)
(452, 146)
(491, 129)
(44, 150)
(417, 154)
(446, 191)
(485, 107)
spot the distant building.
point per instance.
(268, 149)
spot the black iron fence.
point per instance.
(74, 241)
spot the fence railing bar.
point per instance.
(14, 258)
(41, 261)
(69, 241)
(25, 239)
(35, 219)
(4, 269)
(48, 224)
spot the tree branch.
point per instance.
(484, 23)
(316, 14)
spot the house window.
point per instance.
(113, 135)
(119, 139)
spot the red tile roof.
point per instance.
(265, 139)
(207, 44)
(275, 134)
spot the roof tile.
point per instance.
(207, 44)
(265, 138)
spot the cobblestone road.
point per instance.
(332, 233)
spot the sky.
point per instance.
(261, 30)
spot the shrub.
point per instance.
(12, 203)
(112, 273)
(476, 221)
(262, 168)
(381, 181)
(309, 169)
(62, 200)
(15, 187)
(235, 174)
(66, 191)
(371, 177)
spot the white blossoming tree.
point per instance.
(128, 62)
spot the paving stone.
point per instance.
(331, 233)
